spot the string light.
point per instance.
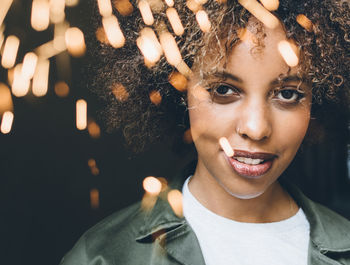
(175, 21)
(155, 97)
(94, 198)
(20, 85)
(81, 114)
(105, 7)
(175, 201)
(40, 17)
(94, 130)
(149, 45)
(59, 42)
(41, 78)
(260, 13)
(124, 7)
(112, 29)
(10, 52)
(170, 3)
(270, 5)
(75, 42)
(203, 20)
(4, 8)
(49, 49)
(57, 14)
(225, 145)
(179, 81)
(5, 99)
(304, 22)
(171, 51)
(288, 54)
(146, 12)
(29, 64)
(61, 89)
(193, 5)
(6, 122)
(152, 185)
(119, 91)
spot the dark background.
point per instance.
(45, 179)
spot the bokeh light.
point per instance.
(175, 201)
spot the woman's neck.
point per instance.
(275, 204)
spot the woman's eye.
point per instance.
(289, 95)
(224, 90)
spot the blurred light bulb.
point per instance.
(10, 52)
(6, 122)
(75, 42)
(40, 17)
(112, 29)
(81, 114)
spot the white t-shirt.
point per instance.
(225, 241)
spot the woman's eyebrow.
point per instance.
(289, 78)
(226, 75)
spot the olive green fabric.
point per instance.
(158, 237)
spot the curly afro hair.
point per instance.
(124, 82)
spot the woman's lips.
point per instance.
(250, 170)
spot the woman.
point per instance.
(243, 90)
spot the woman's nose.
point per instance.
(255, 122)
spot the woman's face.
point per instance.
(263, 121)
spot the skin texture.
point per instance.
(254, 116)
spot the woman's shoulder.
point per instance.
(106, 238)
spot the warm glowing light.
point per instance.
(305, 22)
(40, 17)
(5, 99)
(146, 12)
(72, 3)
(61, 89)
(20, 85)
(171, 51)
(155, 97)
(4, 8)
(94, 198)
(75, 42)
(6, 122)
(94, 130)
(288, 53)
(225, 145)
(170, 3)
(148, 201)
(81, 114)
(92, 162)
(270, 5)
(2, 37)
(152, 185)
(164, 183)
(183, 68)
(119, 91)
(41, 78)
(260, 13)
(101, 35)
(193, 5)
(29, 64)
(48, 50)
(149, 45)
(59, 42)
(203, 20)
(175, 201)
(175, 21)
(57, 14)
(124, 7)
(178, 81)
(114, 34)
(105, 7)
(10, 51)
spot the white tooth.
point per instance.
(249, 161)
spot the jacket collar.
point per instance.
(329, 232)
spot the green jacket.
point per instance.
(159, 237)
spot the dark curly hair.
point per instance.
(324, 63)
